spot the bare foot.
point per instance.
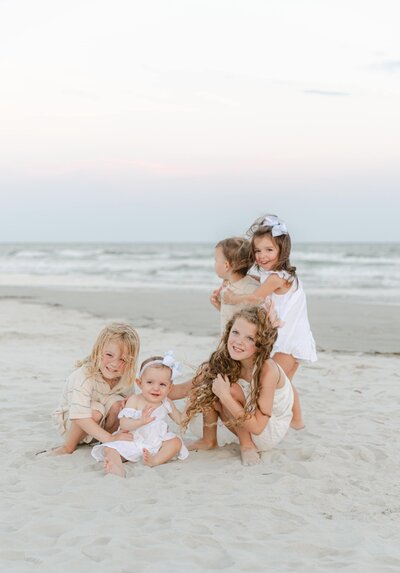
(60, 451)
(297, 424)
(250, 456)
(148, 459)
(202, 445)
(111, 467)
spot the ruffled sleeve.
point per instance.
(130, 413)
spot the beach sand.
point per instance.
(327, 499)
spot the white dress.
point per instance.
(279, 422)
(295, 336)
(150, 436)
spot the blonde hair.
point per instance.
(124, 335)
(237, 251)
(201, 397)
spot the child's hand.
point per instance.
(228, 297)
(221, 386)
(147, 417)
(215, 298)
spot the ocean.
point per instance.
(367, 271)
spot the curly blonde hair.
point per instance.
(201, 397)
(128, 340)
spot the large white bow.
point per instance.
(175, 366)
(278, 227)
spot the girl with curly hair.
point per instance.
(242, 386)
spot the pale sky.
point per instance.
(185, 120)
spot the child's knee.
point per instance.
(97, 416)
(115, 408)
(175, 444)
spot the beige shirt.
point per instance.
(82, 392)
(246, 285)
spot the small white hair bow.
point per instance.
(278, 227)
(169, 361)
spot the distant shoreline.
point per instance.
(337, 325)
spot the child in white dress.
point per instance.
(145, 418)
(243, 387)
(271, 246)
(232, 262)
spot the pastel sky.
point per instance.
(126, 120)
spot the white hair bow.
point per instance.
(175, 366)
(278, 227)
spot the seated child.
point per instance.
(145, 417)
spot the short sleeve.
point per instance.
(130, 413)
(81, 398)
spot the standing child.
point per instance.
(145, 417)
(96, 392)
(243, 386)
(271, 246)
(232, 262)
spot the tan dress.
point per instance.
(246, 285)
(82, 394)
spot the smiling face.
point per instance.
(266, 252)
(113, 361)
(155, 383)
(242, 340)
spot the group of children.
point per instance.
(246, 383)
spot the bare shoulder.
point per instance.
(132, 402)
(269, 372)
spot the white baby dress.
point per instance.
(150, 436)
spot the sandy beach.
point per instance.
(327, 499)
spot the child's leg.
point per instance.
(113, 462)
(248, 450)
(168, 450)
(112, 423)
(209, 439)
(74, 437)
(290, 365)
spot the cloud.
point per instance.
(326, 93)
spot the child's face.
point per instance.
(155, 383)
(113, 361)
(242, 340)
(221, 265)
(266, 252)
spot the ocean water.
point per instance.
(369, 272)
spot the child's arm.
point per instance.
(273, 283)
(176, 415)
(179, 391)
(129, 424)
(256, 423)
(90, 427)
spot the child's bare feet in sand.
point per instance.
(250, 456)
(113, 463)
(60, 451)
(202, 445)
(148, 459)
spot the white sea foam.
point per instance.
(369, 271)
